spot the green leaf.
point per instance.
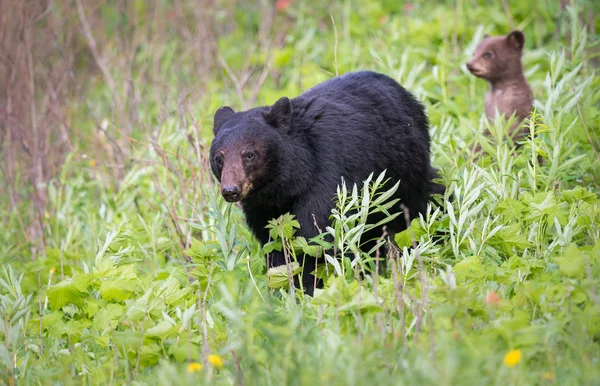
(147, 303)
(300, 244)
(131, 340)
(543, 207)
(363, 301)
(572, 263)
(579, 194)
(200, 249)
(5, 357)
(278, 276)
(91, 307)
(53, 319)
(72, 290)
(510, 237)
(75, 328)
(119, 286)
(108, 317)
(347, 297)
(162, 330)
(285, 223)
(512, 209)
(469, 268)
(404, 238)
(116, 290)
(185, 351)
(171, 291)
(272, 246)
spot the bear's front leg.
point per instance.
(313, 218)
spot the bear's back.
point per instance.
(362, 86)
(361, 112)
(361, 96)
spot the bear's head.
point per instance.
(244, 155)
(498, 57)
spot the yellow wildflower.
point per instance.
(216, 361)
(194, 367)
(92, 163)
(512, 358)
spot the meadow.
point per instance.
(122, 264)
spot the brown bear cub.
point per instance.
(497, 59)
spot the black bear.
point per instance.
(291, 156)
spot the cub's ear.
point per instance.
(486, 36)
(220, 116)
(516, 39)
(280, 114)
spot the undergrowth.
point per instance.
(155, 279)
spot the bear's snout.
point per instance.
(231, 193)
(475, 68)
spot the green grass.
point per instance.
(145, 275)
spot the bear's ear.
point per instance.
(220, 116)
(280, 114)
(486, 36)
(516, 39)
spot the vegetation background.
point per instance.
(122, 265)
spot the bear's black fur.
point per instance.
(291, 156)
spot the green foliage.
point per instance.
(146, 277)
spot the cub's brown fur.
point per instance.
(497, 59)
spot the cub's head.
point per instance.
(498, 57)
(245, 153)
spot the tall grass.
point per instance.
(147, 270)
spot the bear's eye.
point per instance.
(219, 159)
(249, 155)
(487, 55)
